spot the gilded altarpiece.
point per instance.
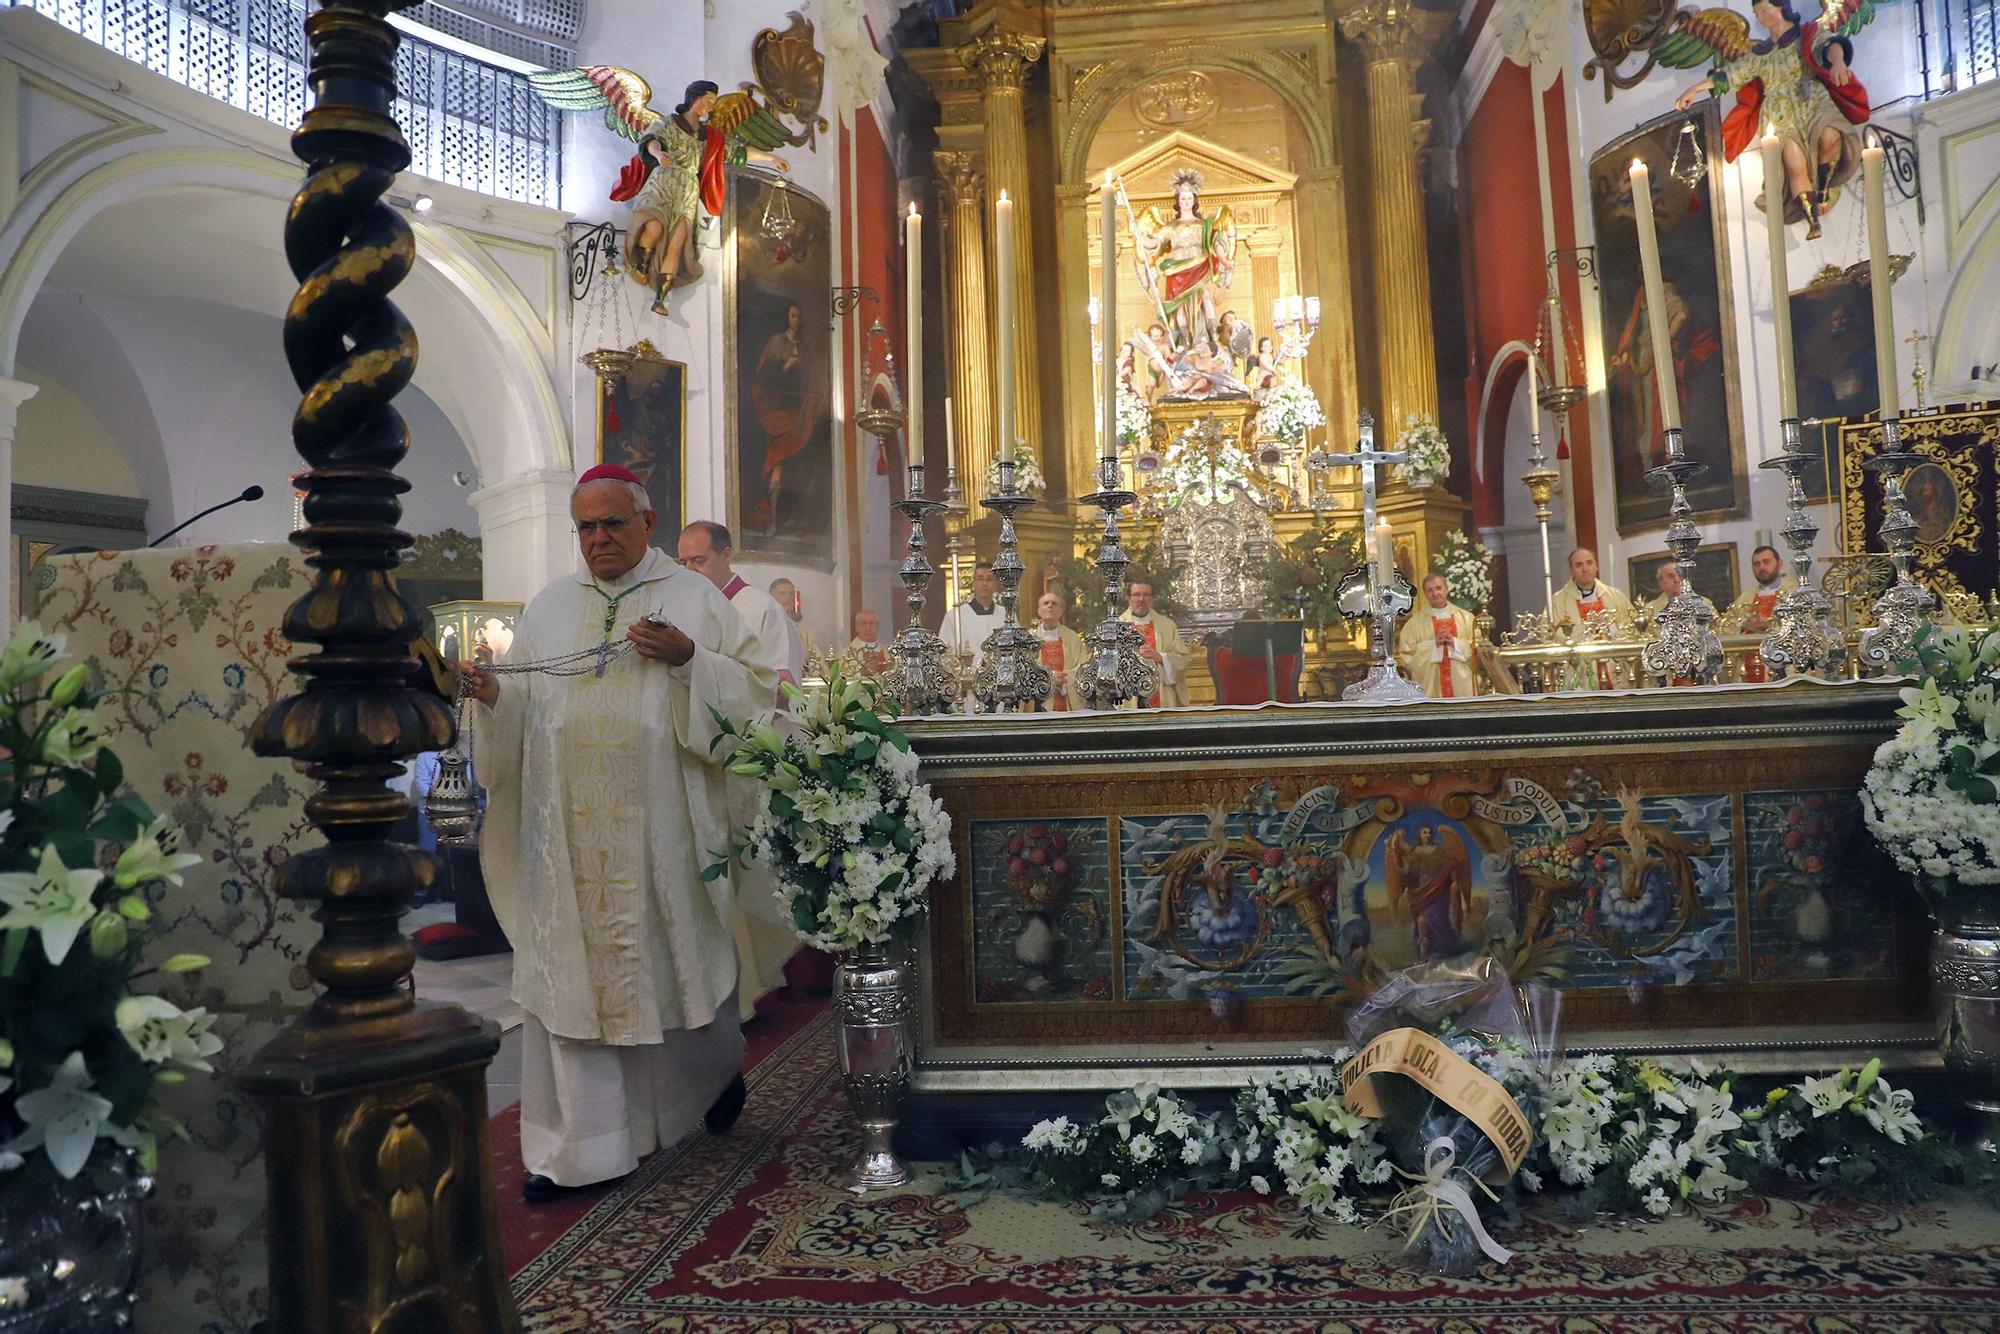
(1173, 908)
(1953, 495)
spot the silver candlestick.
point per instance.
(929, 685)
(1010, 661)
(1685, 646)
(1902, 612)
(1802, 639)
(1116, 668)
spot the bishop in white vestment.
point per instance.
(606, 803)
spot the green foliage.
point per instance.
(1078, 574)
(1312, 562)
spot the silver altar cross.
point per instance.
(1367, 459)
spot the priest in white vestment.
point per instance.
(606, 802)
(1063, 653)
(765, 941)
(1437, 644)
(967, 626)
(1164, 647)
(1585, 594)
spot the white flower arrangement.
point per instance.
(1325, 1155)
(1930, 797)
(72, 931)
(853, 840)
(1027, 471)
(1467, 567)
(1430, 452)
(1290, 410)
(1135, 419)
(1193, 467)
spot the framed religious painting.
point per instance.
(778, 270)
(1684, 153)
(642, 424)
(1952, 492)
(1714, 573)
(1833, 351)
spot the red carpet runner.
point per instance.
(747, 1232)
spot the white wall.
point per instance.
(59, 441)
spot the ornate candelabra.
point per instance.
(1684, 646)
(929, 683)
(1540, 479)
(1360, 594)
(374, 1102)
(1115, 670)
(1010, 661)
(1295, 320)
(1802, 638)
(1902, 611)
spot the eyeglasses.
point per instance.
(585, 527)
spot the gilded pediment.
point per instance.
(1149, 172)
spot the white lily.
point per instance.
(53, 898)
(1827, 1094)
(74, 739)
(154, 855)
(28, 654)
(65, 1118)
(162, 1032)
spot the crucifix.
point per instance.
(1360, 592)
(1367, 459)
(1919, 377)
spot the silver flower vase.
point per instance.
(1965, 986)
(69, 1250)
(874, 1003)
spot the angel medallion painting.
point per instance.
(1798, 79)
(680, 160)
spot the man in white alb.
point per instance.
(765, 941)
(606, 803)
(967, 625)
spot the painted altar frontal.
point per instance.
(1197, 893)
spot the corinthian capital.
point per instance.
(1002, 57)
(963, 175)
(1393, 30)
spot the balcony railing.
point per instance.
(1960, 40)
(469, 123)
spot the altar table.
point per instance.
(1192, 895)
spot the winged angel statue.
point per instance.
(680, 161)
(1799, 78)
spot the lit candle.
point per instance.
(1879, 278)
(1107, 201)
(913, 327)
(1781, 282)
(1385, 552)
(1003, 275)
(950, 436)
(1656, 296)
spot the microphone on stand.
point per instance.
(251, 492)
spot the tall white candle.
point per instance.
(1555, 370)
(1107, 206)
(1534, 398)
(1656, 296)
(1385, 552)
(913, 327)
(1003, 277)
(1879, 279)
(950, 436)
(1781, 280)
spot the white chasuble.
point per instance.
(606, 802)
(1434, 639)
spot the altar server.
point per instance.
(1163, 647)
(1585, 594)
(1062, 653)
(765, 941)
(1437, 644)
(967, 626)
(606, 802)
(705, 548)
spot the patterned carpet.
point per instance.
(749, 1233)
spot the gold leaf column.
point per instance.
(1001, 59)
(964, 182)
(1396, 40)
